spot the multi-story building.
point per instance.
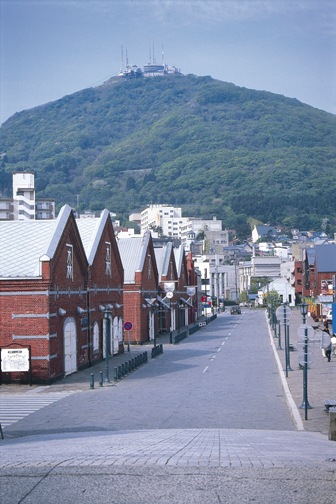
(24, 205)
(215, 238)
(164, 219)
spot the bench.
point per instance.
(329, 403)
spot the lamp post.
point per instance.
(305, 404)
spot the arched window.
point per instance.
(95, 342)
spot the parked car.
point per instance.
(235, 310)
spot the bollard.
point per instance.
(92, 381)
(115, 374)
(332, 424)
(119, 372)
(146, 357)
(126, 367)
(101, 378)
(122, 369)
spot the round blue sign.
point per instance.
(128, 326)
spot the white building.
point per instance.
(285, 291)
(268, 267)
(168, 218)
(215, 238)
(24, 205)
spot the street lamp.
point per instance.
(305, 404)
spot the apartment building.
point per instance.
(24, 205)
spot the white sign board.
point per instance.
(301, 358)
(283, 313)
(14, 359)
(303, 329)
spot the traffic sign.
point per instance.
(301, 358)
(283, 313)
(169, 294)
(301, 332)
(128, 326)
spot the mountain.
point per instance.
(208, 146)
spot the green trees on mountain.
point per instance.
(208, 146)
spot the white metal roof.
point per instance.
(133, 253)
(23, 243)
(91, 231)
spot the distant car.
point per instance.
(235, 310)
(329, 315)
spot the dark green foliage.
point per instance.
(208, 146)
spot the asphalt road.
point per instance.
(205, 422)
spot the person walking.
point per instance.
(333, 345)
(326, 344)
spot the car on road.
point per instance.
(235, 310)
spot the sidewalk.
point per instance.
(321, 377)
(80, 380)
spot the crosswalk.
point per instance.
(15, 407)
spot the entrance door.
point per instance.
(115, 335)
(70, 346)
(151, 326)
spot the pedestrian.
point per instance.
(328, 352)
(333, 344)
(327, 344)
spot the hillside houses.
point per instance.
(67, 286)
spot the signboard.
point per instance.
(325, 340)
(191, 291)
(301, 332)
(128, 326)
(169, 286)
(14, 360)
(301, 358)
(283, 313)
(169, 295)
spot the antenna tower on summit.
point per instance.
(122, 59)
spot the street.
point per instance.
(206, 414)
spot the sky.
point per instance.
(53, 48)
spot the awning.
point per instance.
(187, 302)
(163, 302)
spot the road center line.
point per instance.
(205, 369)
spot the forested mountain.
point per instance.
(205, 145)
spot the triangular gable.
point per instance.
(94, 232)
(133, 252)
(166, 262)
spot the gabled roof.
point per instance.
(162, 257)
(179, 254)
(24, 243)
(326, 258)
(91, 231)
(133, 254)
(265, 230)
